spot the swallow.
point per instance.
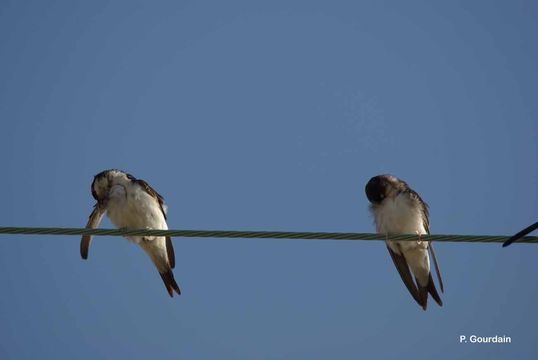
(132, 203)
(398, 209)
(521, 234)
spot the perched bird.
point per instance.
(132, 203)
(521, 234)
(397, 209)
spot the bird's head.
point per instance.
(383, 186)
(103, 181)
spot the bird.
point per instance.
(132, 203)
(521, 234)
(398, 209)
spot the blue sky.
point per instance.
(252, 115)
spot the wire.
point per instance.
(258, 234)
(520, 234)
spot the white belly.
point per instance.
(134, 208)
(398, 216)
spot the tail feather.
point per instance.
(423, 293)
(405, 273)
(170, 283)
(422, 296)
(433, 291)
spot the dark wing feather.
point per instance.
(436, 264)
(426, 222)
(170, 252)
(521, 234)
(94, 220)
(147, 188)
(423, 208)
(425, 217)
(405, 274)
(151, 191)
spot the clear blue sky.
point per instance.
(267, 116)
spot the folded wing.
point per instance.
(93, 222)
